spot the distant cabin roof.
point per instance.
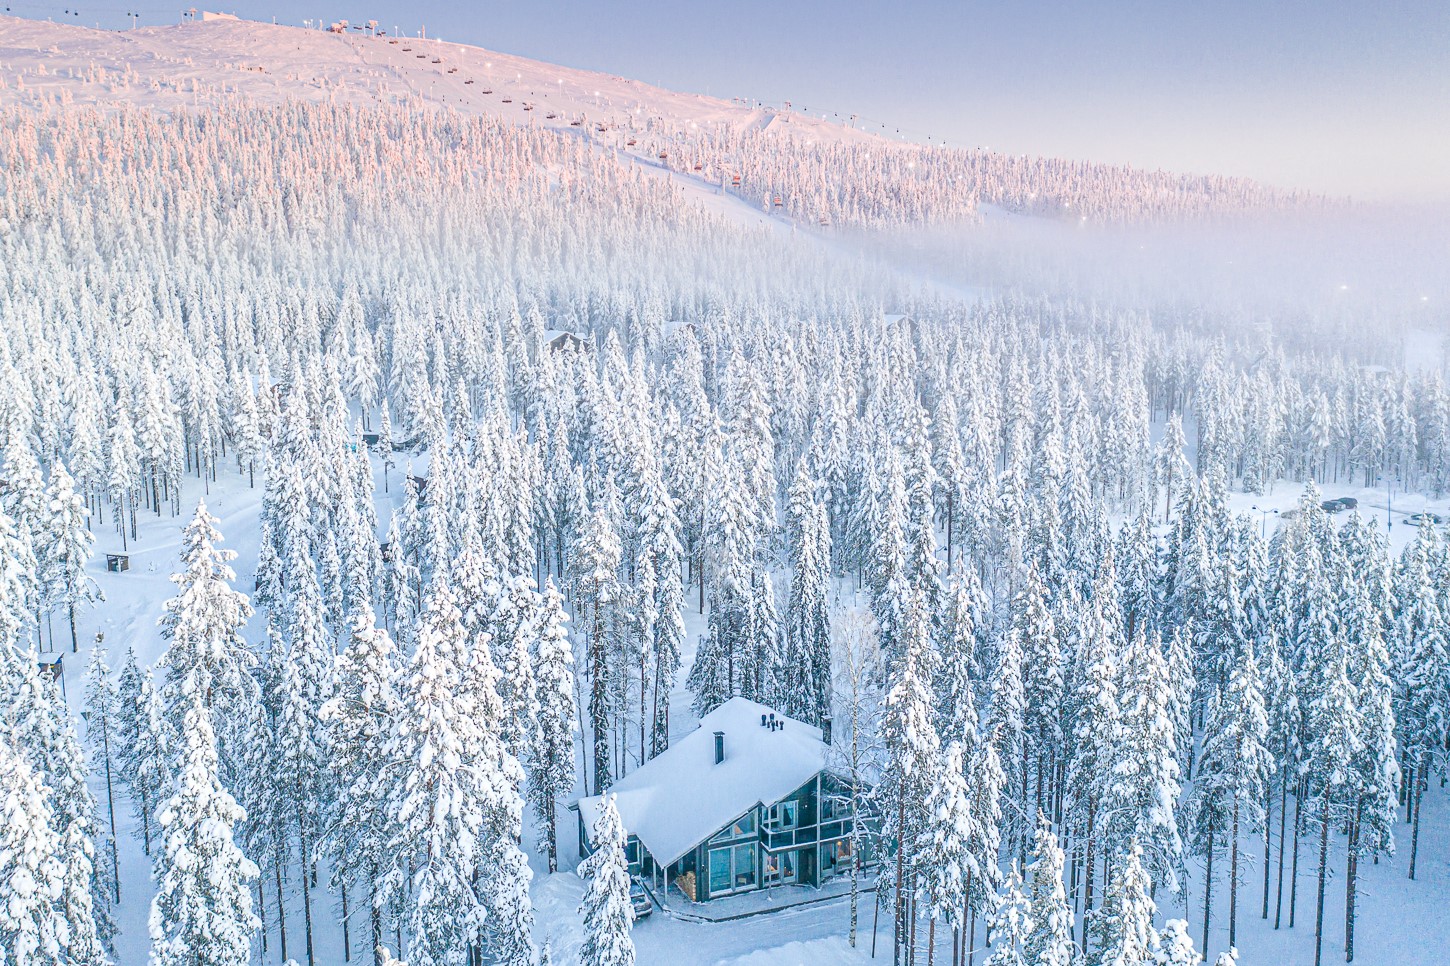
(558, 338)
(679, 798)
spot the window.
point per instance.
(719, 871)
(745, 866)
(782, 815)
(732, 869)
(834, 806)
(742, 826)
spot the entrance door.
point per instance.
(782, 868)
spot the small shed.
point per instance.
(118, 562)
(52, 669)
(371, 439)
(560, 341)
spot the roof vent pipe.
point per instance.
(719, 747)
(826, 729)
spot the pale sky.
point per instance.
(1334, 96)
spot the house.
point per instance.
(744, 802)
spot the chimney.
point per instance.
(719, 747)
(826, 729)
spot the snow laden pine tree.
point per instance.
(1124, 924)
(437, 797)
(808, 626)
(360, 719)
(35, 721)
(201, 914)
(1049, 940)
(606, 907)
(1143, 792)
(1011, 924)
(67, 548)
(1233, 772)
(1176, 945)
(149, 759)
(944, 843)
(912, 751)
(594, 564)
(203, 627)
(32, 926)
(102, 733)
(551, 753)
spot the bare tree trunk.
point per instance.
(1233, 882)
(1294, 869)
(1087, 874)
(1207, 890)
(262, 914)
(346, 939)
(1417, 793)
(303, 855)
(551, 823)
(1351, 881)
(281, 909)
(1323, 861)
(900, 883)
(1268, 845)
(1283, 816)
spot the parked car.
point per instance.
(1348, 502)
(1332, 506)
(639, 898)
(1425, 518)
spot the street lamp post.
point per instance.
(1263, 519)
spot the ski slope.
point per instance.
(190, 65)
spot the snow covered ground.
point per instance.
(1401, 922)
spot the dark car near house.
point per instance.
(639, 899)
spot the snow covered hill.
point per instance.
(812, 169)
(181, 67)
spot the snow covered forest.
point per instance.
(486, 458)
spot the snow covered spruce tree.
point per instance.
(1232, 773)
(361, 718)
(1124, 924)
(551, 759)
(102, 733)
(808, 630)
(594, 565)
(201, 914)
(1011, 924)
(202, 627)
(36, 723)
(1142, 796)
(944, 844)
(606, 908)
(1049, 939)
(912, 755)
(66, 549)
(33, 927)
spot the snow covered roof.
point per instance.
(679, 798)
